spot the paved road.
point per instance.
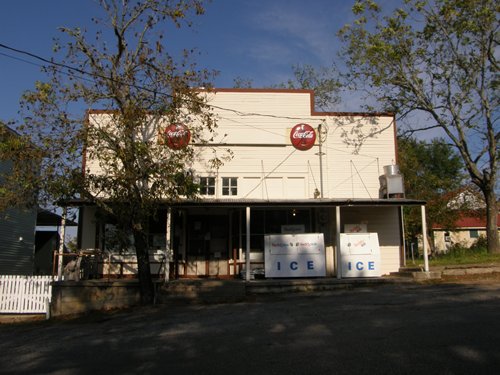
(389, 329)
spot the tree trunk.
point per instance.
(492, 222)
(144, 271)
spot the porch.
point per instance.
(221, 238)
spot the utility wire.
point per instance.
(139, 87)
(20, 59)
(95, 75)
(271, 172)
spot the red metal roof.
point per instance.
(468, 222)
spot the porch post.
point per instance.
(61, 245)
(168, 243)
(247, 250)
(403, 234)
(424, 240)
(337, 242)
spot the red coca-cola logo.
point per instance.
(177, 136)
(303, 136)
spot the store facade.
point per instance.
(293, 185)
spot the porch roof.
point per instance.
(319, 202)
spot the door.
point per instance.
(207, 251)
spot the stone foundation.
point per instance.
(78, 297)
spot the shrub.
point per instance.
(480, 245)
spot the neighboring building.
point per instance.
(300, 179)
(17, 229)
(17, 241)
(470, 224)
(466, 231)
(23, 250)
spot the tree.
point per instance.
(432, 172)
(437, 58)
(326, 89)
(125, 71)
(19, 161)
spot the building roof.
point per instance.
(468, 222)
(46, 218)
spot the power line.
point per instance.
(81, 71)
(40, 65)
(139, 87)
(96, 75)
(19, 59)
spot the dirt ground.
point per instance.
(446, 327)
(480, 278)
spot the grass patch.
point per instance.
(453, 259)
(472, 258)
(458, 255)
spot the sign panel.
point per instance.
(360, 255)
(177, 136)
(295, 255)
(355, 228)
(303, 137)
(293, 229)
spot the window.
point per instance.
(474, 233)
(207, 185)
(229, 186)
(447, 237)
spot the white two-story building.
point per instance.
(300, 194)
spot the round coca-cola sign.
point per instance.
(177, 136)
(303, 136)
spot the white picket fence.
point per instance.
(25, 294)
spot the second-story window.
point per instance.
(207, 185)
(229, 186)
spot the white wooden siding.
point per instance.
(255, 126)
(355, 149)
(251, 187)
(273, 187)
(295, 187)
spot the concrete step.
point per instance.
(221, 291)
(418, 275)
(411, 269)
(206, 291)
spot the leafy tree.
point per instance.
(19, 161)
(242, 83)
(438, 58)
(125, 71)
(432, 172)
(326, 89)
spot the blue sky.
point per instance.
(253, 39)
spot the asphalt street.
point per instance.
(386, 329)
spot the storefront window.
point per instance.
(229, 186)
(207, 185)
(276, 221)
